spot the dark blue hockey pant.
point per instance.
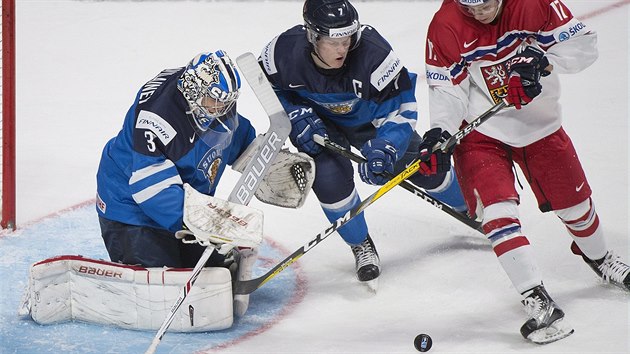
(151, 247)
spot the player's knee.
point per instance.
(581, 211)
(334, 178)
(500, 220)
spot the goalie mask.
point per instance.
(210, 83)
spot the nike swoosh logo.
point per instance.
(579, 188)
(192, 139)
(295, 86)
(466, 45)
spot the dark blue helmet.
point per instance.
(331, 18)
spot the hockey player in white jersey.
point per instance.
(477, 53)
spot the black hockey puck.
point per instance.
(423, 342)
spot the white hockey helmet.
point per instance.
(480, 9)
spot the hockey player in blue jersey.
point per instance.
(340, 79)
(183, 127)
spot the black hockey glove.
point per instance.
(524, 72)
(439, 161)
(304, 124)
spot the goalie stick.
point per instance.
(257, 167)
(248, 286)
(331, 145)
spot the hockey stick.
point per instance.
(248, 286)
(331, 145)
(252, 175)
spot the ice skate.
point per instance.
(546, 322)
(611, 269)
(367, 263)
(245, 260)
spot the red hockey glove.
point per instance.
(524, 72)
(439, 161)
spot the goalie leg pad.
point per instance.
(69, 288)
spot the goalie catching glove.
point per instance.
(289, 179)
(214, 221)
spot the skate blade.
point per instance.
(372, 285)
(556, 331)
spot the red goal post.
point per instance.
(7, 153)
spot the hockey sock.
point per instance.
(582, 223)
(511, 247)
(355, 230)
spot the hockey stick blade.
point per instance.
(248, 286)
(257, 167)
(331, 145)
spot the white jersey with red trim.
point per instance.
(466, 72)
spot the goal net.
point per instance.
(7, 115)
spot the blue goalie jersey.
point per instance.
(373, 87)
(142, 170)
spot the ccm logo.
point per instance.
(258, 168)
(100, 272)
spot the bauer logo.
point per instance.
(100, 272)
(151, 121)
(258, 168)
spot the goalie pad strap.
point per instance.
(69, 287)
